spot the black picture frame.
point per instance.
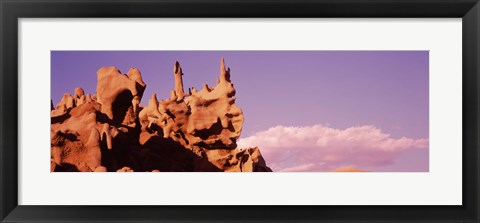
(12, 10)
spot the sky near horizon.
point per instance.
(305, 110)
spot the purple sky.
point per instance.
(338, 89)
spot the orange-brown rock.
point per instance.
(100, 169)
(75, 140)
(208, 118)
(119, 93)
(110, 131)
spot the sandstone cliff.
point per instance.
(111, 131)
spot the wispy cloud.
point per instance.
(322, 148)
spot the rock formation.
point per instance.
(119, 94)
(111, 131)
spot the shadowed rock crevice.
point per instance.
(215, 129)
(188, 132)
(121, 105)
(167, 155)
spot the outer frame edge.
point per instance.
(9, 206)
(470, 104)
(8, 121)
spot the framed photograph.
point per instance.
(239, 111)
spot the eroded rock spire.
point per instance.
(224, 73)
(177, 70)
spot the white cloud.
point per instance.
(322, 148)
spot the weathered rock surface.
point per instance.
(119, 94)
(110, 131)
(208, 118)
